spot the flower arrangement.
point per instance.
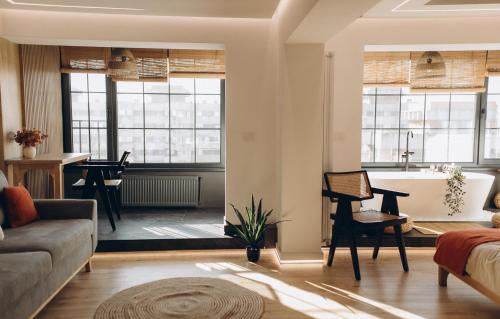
(29, 137)
(454, 197)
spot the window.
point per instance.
(492, 121)
(175, 123)
(88, 114)
(443, 126)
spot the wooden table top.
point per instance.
(64, 158)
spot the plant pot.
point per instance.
(29, 152)
(253, 254)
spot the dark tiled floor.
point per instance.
(141, 223)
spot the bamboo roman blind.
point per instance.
(84, 59)
(386, 69)
(193, 63)
(493, 63)
(465, 71)
(152, 64)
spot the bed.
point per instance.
(473, 256)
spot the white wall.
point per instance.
(301, 148)
(300, 106)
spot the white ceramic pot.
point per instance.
(29, 152)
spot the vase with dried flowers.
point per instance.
(29, 139)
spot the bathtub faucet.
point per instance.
(406, 155)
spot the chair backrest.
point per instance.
(349, 183)
(124, 157)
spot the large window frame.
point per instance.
(479, 160)
(112, 129)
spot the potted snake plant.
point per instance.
(253, 227)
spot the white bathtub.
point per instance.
(427, 192)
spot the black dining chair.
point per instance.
(104, 177)
(347, 187)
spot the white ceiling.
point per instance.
(186, 8)
(434, 8)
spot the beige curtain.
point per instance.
(42, 105)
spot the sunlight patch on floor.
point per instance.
(303, 301)
(187, 231)
(396, 312)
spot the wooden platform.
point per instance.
(435, 228)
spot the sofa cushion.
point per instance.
(58, 237)
(20, 272)
(20, 207)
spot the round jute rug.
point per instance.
(183, 298)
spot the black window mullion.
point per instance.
(194, 120)
(424, 128)
(449, 131)
(110, 119)
(143, 123)
(169, 124)
(399, 124)
(88, 112)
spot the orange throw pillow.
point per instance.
(20, 207)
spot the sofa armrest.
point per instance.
(69, 209)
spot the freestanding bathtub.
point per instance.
(427, 191)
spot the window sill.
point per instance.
(465, 166)
(148, 170)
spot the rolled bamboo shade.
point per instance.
(152, 64)
(465, 72)
(493, 63)
(386, 69)
(84, 59)
(197, 63)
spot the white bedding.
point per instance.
(483, 265)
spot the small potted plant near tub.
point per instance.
(253, 227)
(29, 139)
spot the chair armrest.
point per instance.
(334, 195)
(389, 192)
(69, 209)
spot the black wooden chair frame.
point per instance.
(345, 223)
(97, 173)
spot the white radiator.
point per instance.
(160, 191)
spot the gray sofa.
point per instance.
(38, 259)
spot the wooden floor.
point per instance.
(291, 290)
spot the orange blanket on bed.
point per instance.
(453, 248)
